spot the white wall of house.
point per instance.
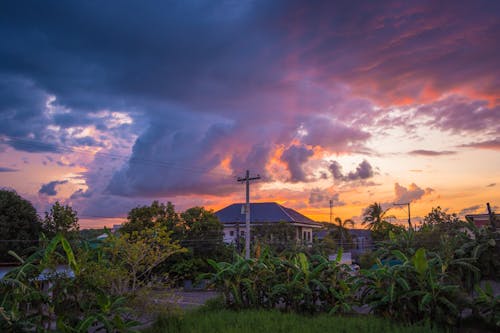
(304, 234)
(230, 233)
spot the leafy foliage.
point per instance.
(144, 217)
(487, 305)
(414, 291)
(20, 225)
(298, 284)
(61, 219)
(127, 261)
(377, 220)
(196, 229)
(29, 302)
(90, 293)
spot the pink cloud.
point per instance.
(410, 194)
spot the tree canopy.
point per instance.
(377, 220)
(439, 218)
(158, 214)
(19, 224)
(197, 228)
(61, 219)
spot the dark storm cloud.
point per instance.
(50, 188)
(295, 157)
(424, 152)
(406, 51)
(21, 114)
(163, 51)
(460, 114)
(254, 160)
(209, 81)
(363, 171)
(175, 159)
(323, 131)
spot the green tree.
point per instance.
(61, 219)
(134, 257)
(19, 225)
(158, 214)
(203, 231)
(436, 225)
(197, 229)
(377, 220)
(440, 219)
(342, 230)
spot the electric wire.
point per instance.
(58, 148)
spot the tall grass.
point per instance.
(250, 321)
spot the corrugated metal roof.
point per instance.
(262, 212)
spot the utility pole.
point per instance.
(238, 237)
(491, 217)
(247, 180)
(405, 204)
(331, 205)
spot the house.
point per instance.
(483, 220)
(233, 218)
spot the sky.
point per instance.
(106, 106)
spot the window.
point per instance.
(231, 233)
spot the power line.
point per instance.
(58, 148)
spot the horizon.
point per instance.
(110, 106)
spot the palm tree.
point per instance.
(375, 217)
(341, 227)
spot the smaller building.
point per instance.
(233, 217)
(361, 240)
(483, 220)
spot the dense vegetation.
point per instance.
(20, 225)
(428, 276)
(71, 285)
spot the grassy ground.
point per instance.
(224, 321)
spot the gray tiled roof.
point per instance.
(263, 212)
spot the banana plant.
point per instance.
(229, 277)
(107, 316)
(487, 305)
(18, 288)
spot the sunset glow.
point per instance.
(354, 102)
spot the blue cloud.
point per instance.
(50, 188)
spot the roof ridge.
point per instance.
(284, 211)
(253, 203)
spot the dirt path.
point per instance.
(191, 299)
